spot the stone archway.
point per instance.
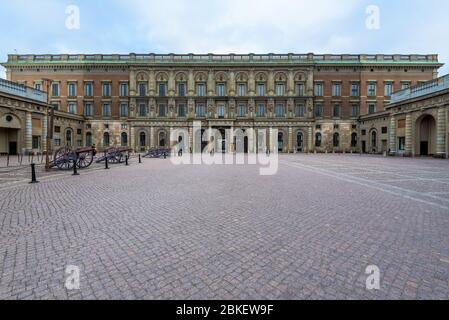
(10, 134)
(425, 135)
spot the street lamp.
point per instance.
(49, 126)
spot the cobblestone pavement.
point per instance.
(159, 231)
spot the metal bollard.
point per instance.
(33, 174)
(106, 161)
(75, 168)
(7, 160)
(140, 158)
(126, 160)
(165, 155)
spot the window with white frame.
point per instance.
(299, 110)
(123, 110)
(354, 110)
(201, 89)
(241, 91)
(88, 109)
(181, 89)
(280, 89)
(261, 110)
(88, 89)
(371, 108)
(106, 89)
(300, 91)
(162, 89)
(106, 110)
(371, 89)
(72, 107)
(71, 89)
(221, 89)
(388, 89)
(221, 111)
(319, 89)
(124, 89)
(200, 110)
(280, 110)
(55, 90)
(355, 90)
(242, 110)
(261, 89)
(336, 89)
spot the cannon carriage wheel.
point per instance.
(64, 158)
(85, 159)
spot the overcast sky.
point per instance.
(225, 26)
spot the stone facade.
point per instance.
(414, 124)
(24, 122)
(314, 101)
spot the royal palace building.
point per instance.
(322, 103)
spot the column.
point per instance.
(191, 84)
(251, 83)
(152, 137)
(270, 140)
(152, 83)
(132, 82)
(290, 140)
(270, 84)
(29, 133)
(392, 146)
(291, 83)
(441, 133)
(132, 136)
(190, 139)
(44, 133)
(309, 139)
(408, 135)
(171, 84)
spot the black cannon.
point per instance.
(65, 158)
(115, 155)
(157, 153)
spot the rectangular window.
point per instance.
(123, 110)
(388, 89)
(221, 111)
(336, 90)
(181, 110)
(355, 90)
(371, 108)
(318, 111)
(106, 110)
(106, 89)
(55, 106)
(201, 90)
(354, 110)
(200, 110)
(280, 110)
(242, 110)
(88, 89)
(261, 110)
(72, 89)
(55, 89)
(280, 89)
(300, 89)
(384, 130)
(181, 89)
(72, 107)
(142, 89)
(261, 89)
(405, 85)
(318, 89)
(220, 90)
(88, 110)
(300, 111)
(124, 126)
(35, 142)
(371, 90)
(241, 90)
(57, 142)
(162, 110)
(336, 111)
(38, 86)
(142, 110)
(124, 90)
(162, 92)
(401, 143)
(57, 129)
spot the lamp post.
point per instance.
(49, 137)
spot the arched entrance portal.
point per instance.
(425, 143)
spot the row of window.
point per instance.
(200, 110)
(355, 89)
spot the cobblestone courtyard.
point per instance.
(159, 231)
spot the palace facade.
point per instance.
(322, 103)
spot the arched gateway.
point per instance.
(425, 133)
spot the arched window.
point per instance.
(162, 139)
(106, 140)
(336, 140)
(68, 137)
(89, 139)
(299, 140)
(318, 139)
(124, 139)
(354, 140)
(142, 139)
(374, 139)
(280, 141)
